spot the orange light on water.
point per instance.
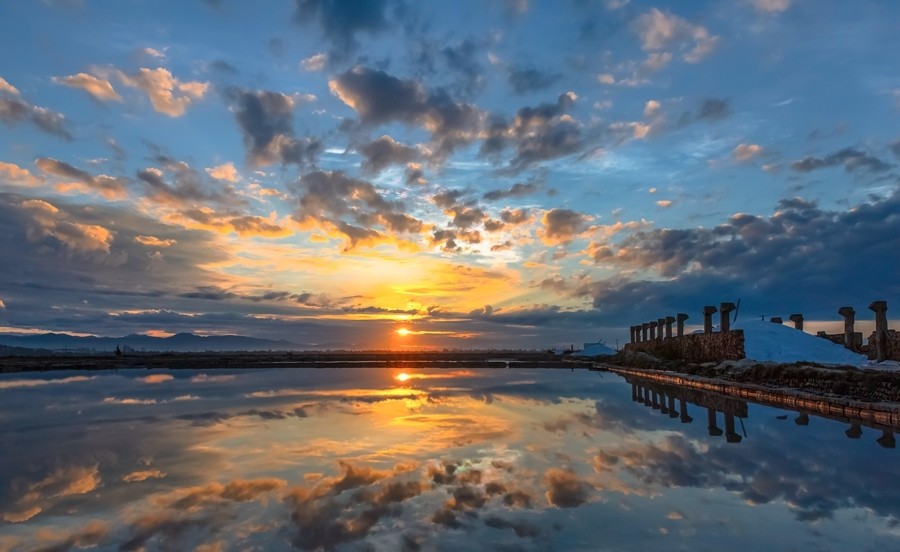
(402, 376)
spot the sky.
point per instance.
(310, 459)
(505, 173)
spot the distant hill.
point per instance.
(183, 342)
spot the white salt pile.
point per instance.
(769, 342)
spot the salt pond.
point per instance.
(359, 459)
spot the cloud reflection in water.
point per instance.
(353, 458)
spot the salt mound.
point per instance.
(769, 342)
(596, 349)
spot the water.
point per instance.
(354, 459)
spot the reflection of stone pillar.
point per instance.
(685, 418)
(797, 319)
(633, 392)
(655, 399)
(725, 310)
(854, 431)
(669, 321)
(672, 412)
(776, 320)
(679, 328)
(730, 434)
(714, 430)
(663, 403)
(652, 331)
(648, 401)
(802, 419)
(887, 439)
(660, 323)
(880, 308)
(707, 318)
(644, 329)
(849, 318)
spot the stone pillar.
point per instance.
(707, 318)
(730, 434)
(652, 330)
(644, 329)
(685, 418)
(776, 320)
(672, 412)
(660, 324)
(797, 319)
(854, 431)
(669, 321)
(849, 318)
(714, 430)
(880, 309)
(725, 310)
(680, 318)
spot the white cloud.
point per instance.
(660, 31)
(6, 87)
(314, 63)
(225, 171)
(99, 89)
(745, 152)
(167, 94)
(771, 6)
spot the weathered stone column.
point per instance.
(725, 310)
(685, 418)
(714, 430)
(679, 328)
(880, 309)
(644, 329)
(797, 319)
(669, 321)
(652, 330)
(730, 434)
(707, 318)
(849, 318)
(854, 431)
(776, 320)
(672, 412)
(660, 324)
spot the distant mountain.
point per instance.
(183, 342)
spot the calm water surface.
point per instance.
(354, 459)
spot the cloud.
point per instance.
(31, 498)
(168, 95)
(13, 110)
(225, 171)
(519, 189)
(660, 30)
(49, 225)
(143, 475)
(565, 489)
(341, 22)
(8, 88)
(563, 225)
(10, 173)
(109, 187)
(771, 6)
(315, 62)
(746, 152)
(384, 152)
(266, 121)
(380, 98)
(99, 89)
(852, 159)
(25, 383)
(525, 79)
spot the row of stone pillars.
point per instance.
(880, 308)
(653, 331)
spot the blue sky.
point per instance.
(514, 173)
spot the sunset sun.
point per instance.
(402, 376)
(403, 332)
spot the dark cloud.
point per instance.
(266, 121)
(341, 21)
(565, 489)
(852, 159)
(463, 60)
(791, 259)
(525, 79)
(177, 184)
(384, 152)
(563, 225)
(14, 110)
(223, 66)
(714, 109)
(519, 189)
(895, 148)
(381, 98)
(109, 187)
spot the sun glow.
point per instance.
(403, 332)
(402, 376)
